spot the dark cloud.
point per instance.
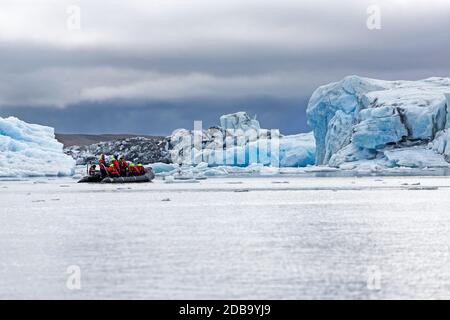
(162, 117)
(203, 58)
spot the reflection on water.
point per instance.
(331, 244)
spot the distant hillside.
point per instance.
(69, 140)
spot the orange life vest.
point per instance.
(113, 171)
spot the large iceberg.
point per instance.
(395, 123)
(240, 141)
(31, 150)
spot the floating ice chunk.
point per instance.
(240, 142)
(441, 144)
(351, 153)
(218, 171)
(31, 150)
(163, 167)
(416, 157)
(365, 166)
(269, 171)
(297, 150)
(319, 169)
(201, 166)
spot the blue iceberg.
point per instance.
(31, 150)
(239, 141)
(395, 123)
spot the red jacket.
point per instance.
(133, 170)
(113, 171)
(141, 169)
(116, 164)
(123, 165)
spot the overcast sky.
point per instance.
(152, 66)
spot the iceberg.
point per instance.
(239, 141)
(441, 144)
(416, 157)
(160, 167)
(395, 123)
(297, 150)
(239, 120)
(31, 150)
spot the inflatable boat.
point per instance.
(97, 178)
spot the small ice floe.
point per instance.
(411, 184)
(241, 190)
(280, 182)
(423, 188)
(77, 176)
(164, 168)
(269, 171)
(172, 179)
(234, 182)
(64, 186)
(182, 181)
(320, 169)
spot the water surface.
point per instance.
(236, 238)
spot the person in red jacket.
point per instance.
(123, 166)
(132, 169)
(112, 171)
(115, 163)
(141, 169)
(102, 160)
(103, 165)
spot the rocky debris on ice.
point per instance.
(391, 123)
(31, 150)
(240, 141)
(137, 149)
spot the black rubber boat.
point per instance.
(96, 178)
(91, 179)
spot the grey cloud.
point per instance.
(211, 51)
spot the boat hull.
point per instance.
(133, 179)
